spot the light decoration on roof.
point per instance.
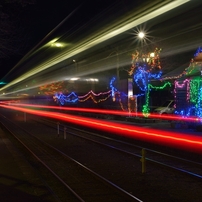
(198, 52)
(192, 104)
(195, 66)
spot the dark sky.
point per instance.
(36, 21)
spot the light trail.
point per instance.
(172, 139)
(101, 37)
(111, 112)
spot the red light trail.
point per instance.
(173, 139)
(112, 112)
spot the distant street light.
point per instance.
(141, 35)
(58, 44)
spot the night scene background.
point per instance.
(24, 23)
(45, 42)
(125, 72)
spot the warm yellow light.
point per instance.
(53, 41)
(141, 35)
(152, 55)
(74, 79)
(58, 45)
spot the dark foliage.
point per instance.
(12, 35)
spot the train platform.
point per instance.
(18, 182)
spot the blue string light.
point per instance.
(61, 98)
(199, 50)
(113, 89)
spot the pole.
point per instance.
(143, 160)
(65, 129)
(25, 117)
(135, 105)
(58, 128)
(130, 93)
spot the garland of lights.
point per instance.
(113, 89)
(198, 105)
(194, 89)
(194, 64)
(119, 99)
(150, 60)
(72, 97)
(193, 97)
(145, 67)
(199, 50)
(181, 85)
(142, 69)
(142, 77)
(61, 98)
(146, 109)
(94, 100)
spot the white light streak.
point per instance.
(99, 39)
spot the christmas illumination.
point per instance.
(191, 105)
(146, 109)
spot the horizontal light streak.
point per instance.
(111, 112)
(89, 43)
(172, 139)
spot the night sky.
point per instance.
(37, 20)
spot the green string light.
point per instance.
(194, 89)
(146, 108)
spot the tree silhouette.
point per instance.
(12, 35)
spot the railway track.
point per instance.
(119, 163)
(183, 165)
(74, 181)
